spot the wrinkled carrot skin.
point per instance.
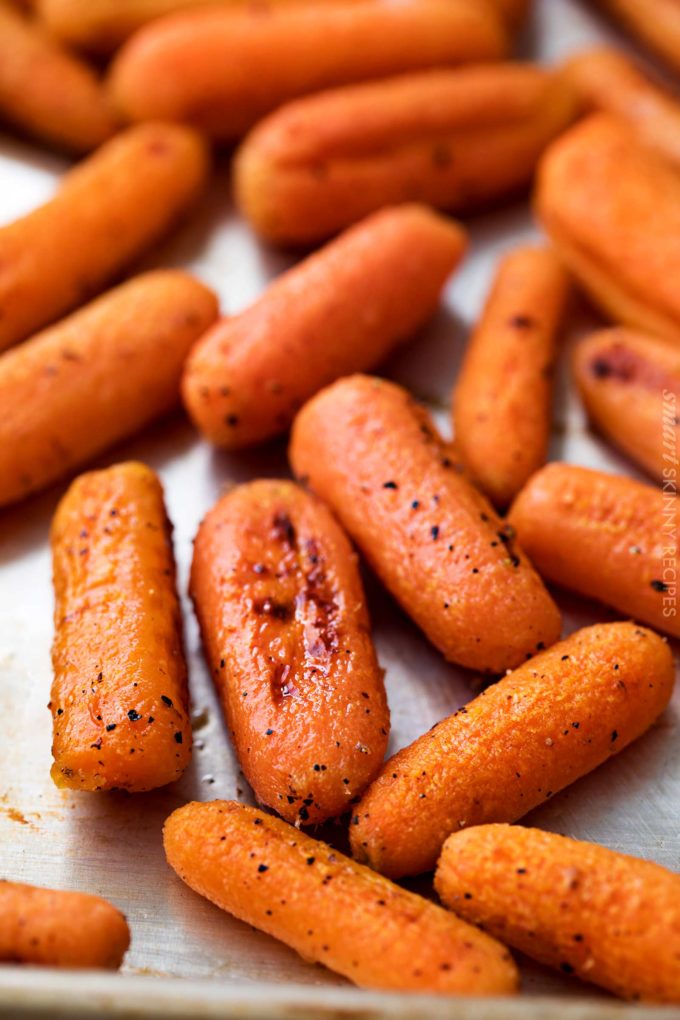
(611, 206)
(609, 918)
(52, 928)
(661, 32)
(620, 529)
(328, 908)
(537, 730)
(223, 70)
(285, 627)
(456, 139)
(630, 385)
(341, 310)
(98, 376)
(367, 449)
(502, 397)
(119, 700)
(63, 253)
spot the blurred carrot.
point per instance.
(660, 32)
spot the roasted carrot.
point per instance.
(287, 637)
(534, 732)
(630, 385)
(501, 401)
(661, 31)
(327, 908)
(61, 929)
(367, 449)
(223, 69)
(606, 537)
(341, 310)
(95, 378)
(604, 916)
(109, 209)
(119, 698)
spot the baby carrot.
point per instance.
(623, 533)
(604, 916)
(60, 929)
(501, 402)
(284, 622)
(520, 741)
(96, 377)
(327, 908)
(119, 697)
(61, 254)
(341, 310)
(661, 33)
(368, 450)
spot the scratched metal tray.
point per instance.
(111, 845)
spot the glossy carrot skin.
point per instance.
(660, 32)
(63, 253)
(60, 929)
(622, 530)
(502, 398)
(604, 916)
(630, 385)
(528, 736)
(366, 448)
(327, 908)
(341, 310)
(286, 632)
(96, 377)
(119, 700)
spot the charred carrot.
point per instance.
(367, 449)
(60, 255)
(96, 377)
(328, 908)
(341, 310)
(501, 401)
(623, 532)
(287, 636)
(601, 915)
(525, 738)
(119, 696)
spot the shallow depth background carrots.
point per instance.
(284, 622)
(520, 741)
(119, 698)
(604, 536)
(661, 32)
(341, 310)
(609, 918)
(96, 377)
(328, 908)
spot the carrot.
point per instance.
(326, 907)
(605, 537)
(60, 929)
(630, 385)
(604, 916)
(96, 377)
(501, 401)
(287, 637)
(612, 209)
(64, 252)
(341, 310)
(119, 697)
(456, 139)
(514, 12)
(520, 741)
(372, 454)
(660, 32)
(222, 70)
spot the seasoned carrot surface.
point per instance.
(520, 741)
(366, 448)
(328, 908)
(60, 929)
(606, 537)
(286, 632)
(119, 697)
(341, 310)
(604, 916)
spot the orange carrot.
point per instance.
(660, 32)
